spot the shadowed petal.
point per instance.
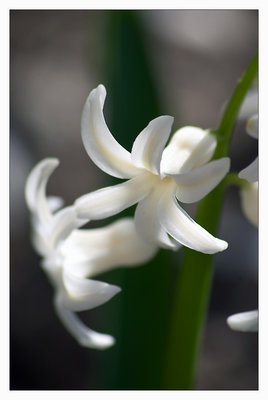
(99, 143)
(54, 203)
(189, 148)
(244, 322)
(85, 336)
(35, 188)
(250, 173)
(62, 224)
(249, 199)
(85, 294)
(148, 147)
(252, 126)
(147, 223)
(111, 200)
(185, 230)
(196, 184)
(89, 252)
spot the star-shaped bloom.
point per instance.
(158, 177)
(250, 173)
(244, 322)
(72, 255)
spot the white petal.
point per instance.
(186, 231)
(148, 147)
(40, 241)
(189, 148)
(35, 188)
(90, 252)
(196, 184)
(252, 126)
(244, 322)
(111, 200)
(147, 223)
(251, 172)
(85, 294)
(250, 201)
(54, 203)
(99, 143)
(62, 224)
(85, 336)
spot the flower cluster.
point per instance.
(158, 177)
(72, 255)
(248, 321)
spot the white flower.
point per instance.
(71, 255)
(250, 173)
(249, 200)
(158, 177)
(244, 322)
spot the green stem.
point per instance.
(233, 179)
(192, 289)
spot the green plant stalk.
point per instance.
(192, 290)
(138, 315)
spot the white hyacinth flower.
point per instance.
(158, 177)
(72, 255)
(244, 322)
(250, 173)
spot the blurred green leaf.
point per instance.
(138, 315)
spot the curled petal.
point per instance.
(252, 126)
(85, 336)
(185, 230)
(244, 322)
(189, 148)
(35, 188)
(99, 143)
(90, 252)
(147, 223)
(84, 294)
(250, 173)
(196, 184)
(111, 200)
(148, 147)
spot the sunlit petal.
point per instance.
(85, 294)
(85, 336)
(196, 184)
(244, 322)
(189, 148)
(148, 146)
(99, 143)
(185, 230)
(113, 199)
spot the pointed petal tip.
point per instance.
(244, 322)
(216, 246)
(97, 341)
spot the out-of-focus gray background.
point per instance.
(55, 60)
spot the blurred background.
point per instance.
(190, 61)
